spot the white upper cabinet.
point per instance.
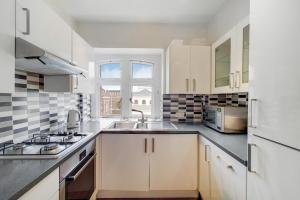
(188, 69)
(38, 24)
(7, 46)
(230, 60)
(173, 162)
(81, 51)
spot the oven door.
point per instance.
(80, 183)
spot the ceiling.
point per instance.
(140, 11)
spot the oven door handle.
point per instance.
(71, 177)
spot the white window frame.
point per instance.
(126, 83)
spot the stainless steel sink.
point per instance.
(123, 125)
(131, 125)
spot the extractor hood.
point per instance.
(34, 59)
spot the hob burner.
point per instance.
(19, 146)
(50, 147)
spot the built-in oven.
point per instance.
(77, 174)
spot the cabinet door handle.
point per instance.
(231, 80)
(27, 32)
(237, 79)
(250, 158)
(229, 166)
(146, 145)
(187, 84)
(153, 145)
(205, 155)
(194, 85)
(251, 124)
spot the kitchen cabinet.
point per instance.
(204, 168)
(141, 162)
(47, 189)
(228, 177)
(272, 171)
(38, 24)
(125, 162)
(7, 46)
(230, 60)
(221, 177)
(81, 51)
(188, 69)
(173, 162)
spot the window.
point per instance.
(110, 70)
(110, 100)
(126, 84)
(142, 70)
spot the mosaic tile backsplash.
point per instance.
(30, 110)
(190, 108)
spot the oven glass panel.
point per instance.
(211, 116)
(84, 185)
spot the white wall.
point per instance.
(229, 15)
(139, 35)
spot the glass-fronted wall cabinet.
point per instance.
(230, 60)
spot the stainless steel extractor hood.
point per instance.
(34, 59)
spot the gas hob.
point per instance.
(41, 146)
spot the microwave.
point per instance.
(226, 119)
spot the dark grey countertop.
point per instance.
(19, 176)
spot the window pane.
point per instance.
(142, 70)
(142, 99)
(110, 100)
(110, 70)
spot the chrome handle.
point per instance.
(251, 113)
(194, 85)
(76, 83)
(231, 80)
(229, 166)
(205, 153)
(27, 32)
(153, 145)
(74, 177)
(187, 84)
(249, 157)
(237, 79)
(146, 145)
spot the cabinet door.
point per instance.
(81, 51)
(200, 67)
(274, 171)
(204, 168)
(179, 69)
(7, 46)
(45, 189)
(125, 162)
(222, 64)
(241, 76)
(228, 177)
(275, 71)
(173, 162)
(40, 25)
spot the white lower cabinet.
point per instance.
(46, 189)
(227, 177)
(139, 162)
(125, 163)
(173, 162)
(204, 168)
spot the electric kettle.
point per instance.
(74, 118)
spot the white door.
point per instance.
(275, 71)
(7, 46)
(200, 67)
(180, 82)
(173, 162)
(204, 168)
(125, 162)
(275, 171)
(38, 24)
